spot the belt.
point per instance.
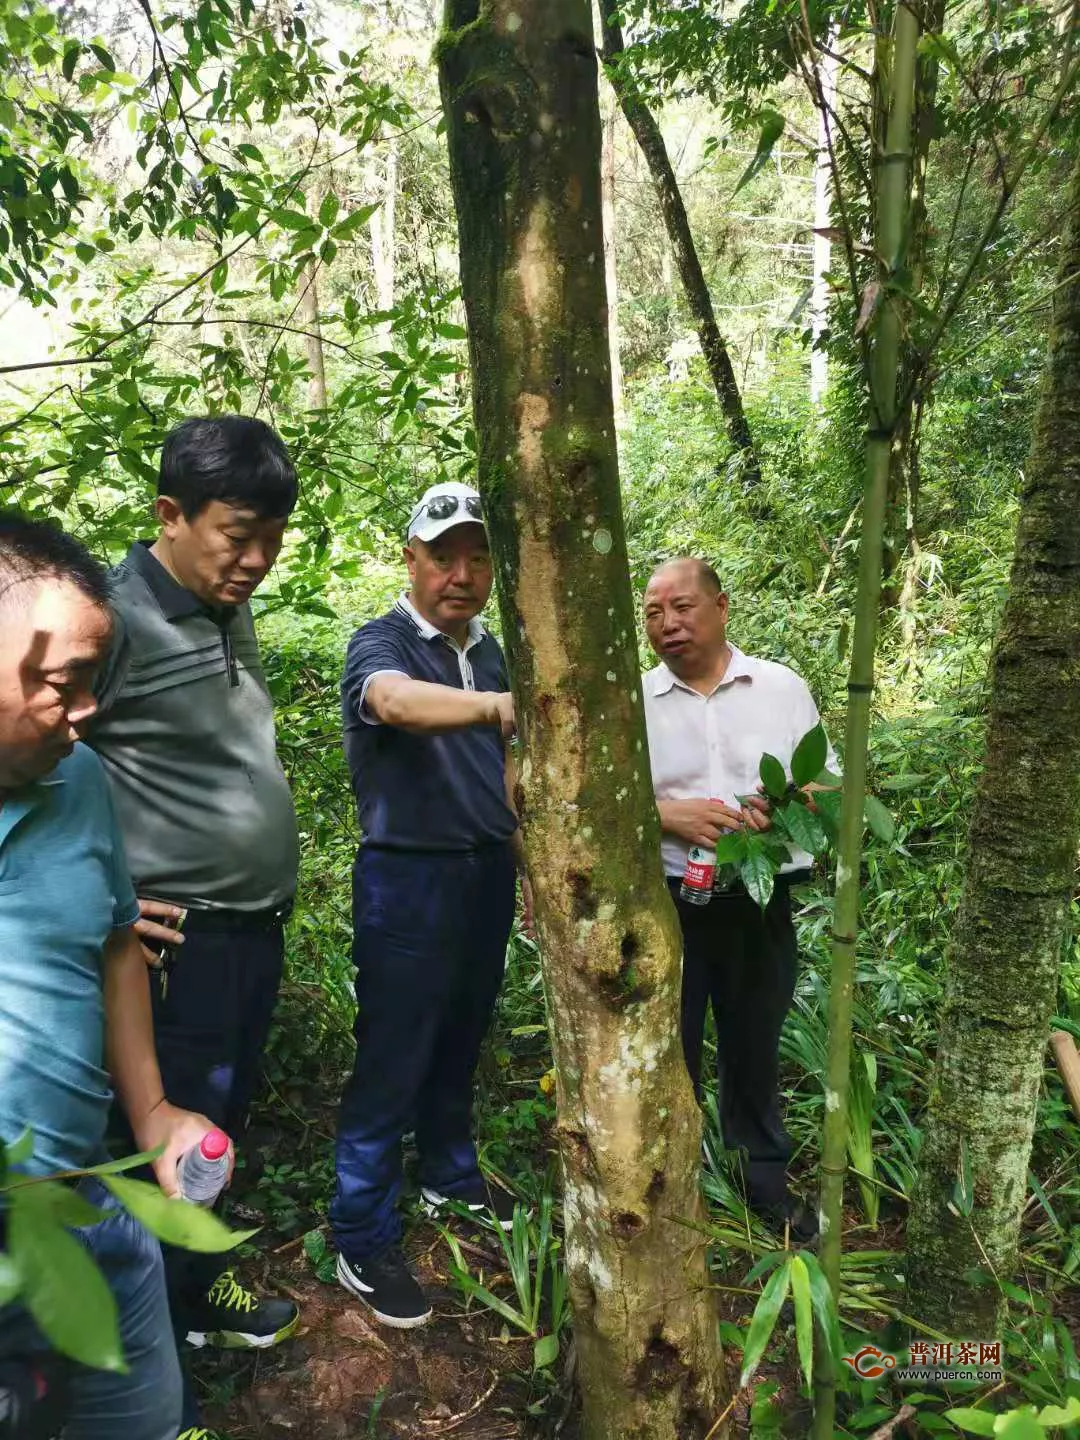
(265, 919)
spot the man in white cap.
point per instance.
(427, 719)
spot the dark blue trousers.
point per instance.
(430, 930)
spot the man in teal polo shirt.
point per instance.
(74, 996)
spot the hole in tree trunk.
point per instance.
(582, 900)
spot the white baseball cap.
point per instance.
(442, 507)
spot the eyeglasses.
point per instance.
(441, 507)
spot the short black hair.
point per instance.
(707, 577)
(32, 551)
(233, 458)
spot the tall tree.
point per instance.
(698, 300)
(1019, 880)
(519, 88)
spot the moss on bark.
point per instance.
(520, 93)
(1025, 832)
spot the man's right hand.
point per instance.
(153, 933)
(501, 712)
(698, 822)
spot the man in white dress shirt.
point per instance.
(711, 712)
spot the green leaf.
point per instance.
(731, 847)
(810, 755)
(353, 221)
(10, 1279)
(825, 1311)
(773, 777)
(758, 871)
(293, 220)
(804, 1316)
(175, 1221)
(250, 152)
(1067, 1414)
(1020, 1425)
(64, 1205)
(764, 1320)
(878, 818)
(21, 1148)
(328, 209)
(545, 1352)
(72, 51)
(62, 1288)
(804, 827)
(974, 1422)
(129, 1162)
(107, 61)
(772, 127)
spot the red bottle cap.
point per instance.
(214, 1144)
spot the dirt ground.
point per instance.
(345, 1376)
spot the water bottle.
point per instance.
(203, 1169)
(697, 880)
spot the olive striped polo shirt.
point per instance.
(185, 731)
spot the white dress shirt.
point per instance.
(711, 745)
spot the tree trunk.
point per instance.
(607, 188)
(381, 225)
(647, 133)
(1021, 865)
(519, 88)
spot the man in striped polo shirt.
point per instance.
(186, 733)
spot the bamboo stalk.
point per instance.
(891, 213)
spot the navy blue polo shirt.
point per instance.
(425, 792)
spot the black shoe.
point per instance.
(480, 1198)
(789, 1215)
(230, 1317)
(388, 1288)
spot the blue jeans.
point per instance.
(430, 931)
(144, 1404)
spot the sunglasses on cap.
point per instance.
(441, 507)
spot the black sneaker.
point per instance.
(479, 1198)
(789, 1215)
(388, 1288)
(230, 1317)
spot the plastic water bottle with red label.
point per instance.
(697, 880)
(203, 1169)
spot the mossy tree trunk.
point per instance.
(519, 88)
(1021, 870)
(698, 300)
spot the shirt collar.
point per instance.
(477, 630)
(19, 803)
(740, 667)
(175, 601)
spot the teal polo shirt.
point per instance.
(64, 888)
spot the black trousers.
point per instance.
(742, 961)
(210, 1029)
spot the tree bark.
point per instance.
(647, 133)
(1021, 866)
(611, 276)
(519, 88)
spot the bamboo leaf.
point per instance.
(763, 1322)
(175, 1221)
(809, 757)
(825, 1311)
(879, 819)
(804, 1316)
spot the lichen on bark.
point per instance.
(519, 87)
(1020, 874)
